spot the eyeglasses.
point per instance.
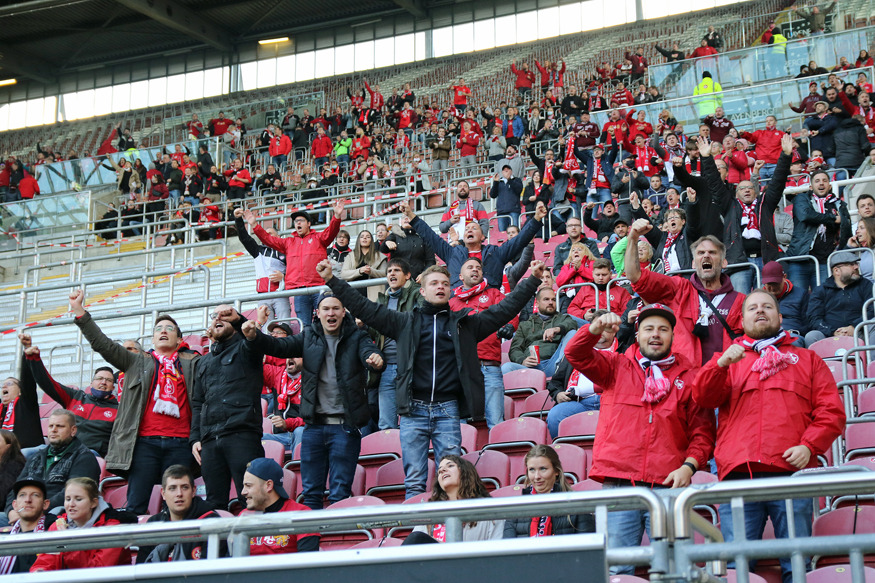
(167, 328)
(108, 380)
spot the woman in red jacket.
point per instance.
(84, 508)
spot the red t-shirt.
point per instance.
(460, 94)
(160, 425)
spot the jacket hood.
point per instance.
(725, 284)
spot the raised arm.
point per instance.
(113, 353)
(597, 365)
(490, 320)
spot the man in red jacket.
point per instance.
(778, 409)
(650, 432)
(264, 492)
(280, 147)
(700, 331)
(304, 249)
(477, 297)
(585, 302)
(321, 148)
(768, 146)
(524, 79)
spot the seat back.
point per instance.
(493, 467)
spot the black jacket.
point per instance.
(658, 239)
(27, 426)
(353, 349)
(564, 524)
(831, 308)
(77, 462)
(411, 248)
(227, 390)
(851, 144)
(182, 550)
(705, 216)
(413, 333)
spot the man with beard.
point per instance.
(760, 374)
(651, 433)
(836, 306)
(288, 427)
(540, 341)
(226, 408)
(587, 300)
(708, 310)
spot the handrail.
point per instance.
(805, 486)
(577, 285)
(240, 529)
(797, 258)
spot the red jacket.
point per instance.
(703, 52)
(321, 146)
(554, 77)
(273, 369)
(639, 63)
(360, 147)
(623, 98)
(108, 145)
(768, 144)
(489, 349)
(637, 441)
(584, 301)
(460, 94)
(681, 296)
(469, 146)
(737, 167)
(376, 98)
(83, 559)
(302, 253)
(220, 126)
(523, 78)
(242, 173)
(760, 419)
(275, 545)
(28, 186)
(279, 146)
(569, 276)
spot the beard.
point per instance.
(652, 354)
(762, 331)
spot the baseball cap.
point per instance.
(324, 295)
(303, 214)
(823, 102)
(282, 326)
(773, 272)
(267, 469)
(656, 310)
(599, 146)
(30, 481)
(621, 221)
(843, 257)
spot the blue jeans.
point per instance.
(279, 161)
(601, 195)
(318, 162)
(151, 456)
(625, 529)
(290, 439)
(767, 171)
(438, 422)
(504, 221)
(494, 384)
(755, 515)
(548, 367)
(388, 408)
(328, 451)
(174, 196)
(304, 306)
(568, 408)
(743, 279)
(801, 273)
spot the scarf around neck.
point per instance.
(169, 382)
(750, 221)
(9, 417)
(467, 294)
(656, 385)
(8, 562)
(771, 360)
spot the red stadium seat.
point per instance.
(274, 450)
(469, 438)
(45, 409)
(389, 484)
(492, 466)
(586, 485)
(579, 429)
(834, 347)
(377, 449)
(866, 402)
(848, 520)
(519, 384)
(859, 440)
(266, 426)
(155, 500)
(838, 574)
(573, 461)
(116, 496)
(348, 538)
(731, 577)
(379, 542)
(508, 491)
(516, 437)
(537, 405)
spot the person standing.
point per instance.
(270, 267)
(761, 373)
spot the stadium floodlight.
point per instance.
(5, 82)
(273, 41)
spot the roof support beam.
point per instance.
(177, 17)
(25, 66)
(414, 7)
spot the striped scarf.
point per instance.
(771, 360)
(8, 562)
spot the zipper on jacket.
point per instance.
(433, 353)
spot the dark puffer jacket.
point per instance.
(564, 524)
(227, 390)
(77, 462)
(353, 349)
(411, 248)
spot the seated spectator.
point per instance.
(95, 410)
(11, 462)
(588, 300)
(864, 238)
(30, 503)
(540, 341)
(572, 391)
(66, 457)
(836, 305)
(792, 301)
(365, 262)
(84, 507)
(288, 426)
(544, 475)
(264, 492)
(109, 220)
(457, 479)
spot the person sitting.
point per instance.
(181, 502)
(457, 479)
(11, 462)
(30, 503)
(864, 238)
(540, 341)
(288, 426)
(544, 475)
(577, 269)
(572, 391)
(264, 492)
(588, 300)
(84, 507)
(836, 305)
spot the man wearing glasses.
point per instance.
(153, 423)
(95, 409)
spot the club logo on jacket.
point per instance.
(107, 414)
(483, 299)
(794, 358)
(679, 383)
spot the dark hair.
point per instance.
(65, 413)
(865, 196)
(343, 232)
(543, 289)
(470, 484)
(13, 452)
(681, 213)
(176, 472)
(474, 258)
(106, 368)
(401, 263)
(548, 452)
(601, 263)
(169, 318)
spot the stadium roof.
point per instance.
(43, 39)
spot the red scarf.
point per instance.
(467, 294)
(170, 382)
(571, 165)
(9, 418)
(290, 391)
(642, 158)
(541, 525)
(656, 385)
(467, 211)
(439, 533)
(750, 221)
(771, 360)
(670, 238)
(121, 385)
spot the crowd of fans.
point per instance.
(652, 315)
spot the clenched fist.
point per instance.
(732, 355)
